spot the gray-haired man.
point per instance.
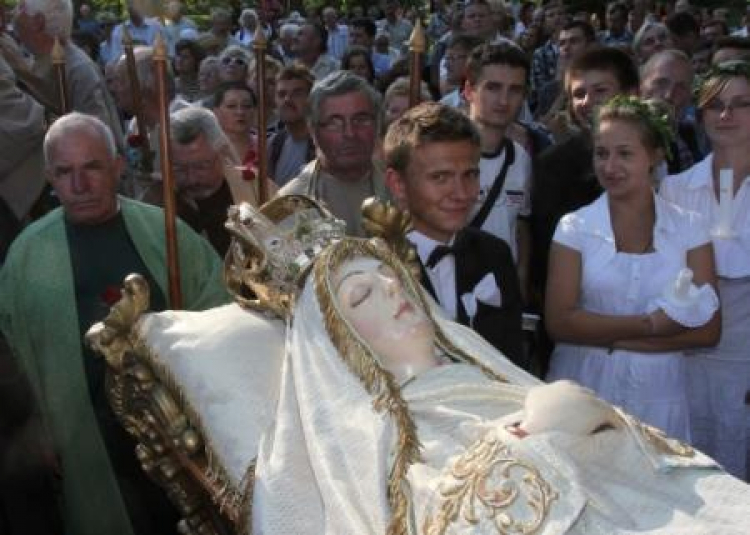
(344, 119)
(207, 177)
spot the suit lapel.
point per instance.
(426, 282)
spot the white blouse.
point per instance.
(622, 283)
(693, 190)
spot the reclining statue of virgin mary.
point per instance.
(392, 420)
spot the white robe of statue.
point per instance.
(352, 449)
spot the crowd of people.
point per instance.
(583, 166)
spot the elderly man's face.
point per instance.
(346, 132)
(670, 80)
(197, 168)
(307, 39)
(85, 175)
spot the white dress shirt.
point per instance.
(442, 276)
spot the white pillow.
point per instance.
(226, 362)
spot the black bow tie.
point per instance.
(439, 252)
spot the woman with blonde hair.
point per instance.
(613, 269)
(717, 187)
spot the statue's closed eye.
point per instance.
(359, 295)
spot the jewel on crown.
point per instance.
(280, 241)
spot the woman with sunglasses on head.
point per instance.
(233, 63)
(720, 377)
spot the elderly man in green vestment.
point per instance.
(61, 275)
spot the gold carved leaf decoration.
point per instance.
(385, 221)
(489, 486)
(111, 337)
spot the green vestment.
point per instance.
(39, 317)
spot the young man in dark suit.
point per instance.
(432, 158)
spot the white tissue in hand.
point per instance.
(686, 303)
(565, 406)
(682, 292)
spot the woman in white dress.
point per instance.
(719, 378)
(612, 262)
(393, 421)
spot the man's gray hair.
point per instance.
(146, 71)
(76, 122)
(58, 16)
(187, 124)
(641, 34)
(664, 55)
(235, 51)
(247, 13)
(288, 28)
(341, 83)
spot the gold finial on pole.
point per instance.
(58, 65)
(417, 47)
(135, 90)
(259, 46)
(165, 150)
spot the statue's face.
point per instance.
(371, 297)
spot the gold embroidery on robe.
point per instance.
(488, 484)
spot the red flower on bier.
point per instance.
(111, 295)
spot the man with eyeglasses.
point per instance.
(207, 179)
(344, 119)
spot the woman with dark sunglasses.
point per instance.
(233, 62)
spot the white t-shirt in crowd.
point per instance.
(514, 200)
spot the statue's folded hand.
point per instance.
(566, 407)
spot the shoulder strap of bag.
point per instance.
(497, 186)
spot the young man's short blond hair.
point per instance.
(429, 122)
